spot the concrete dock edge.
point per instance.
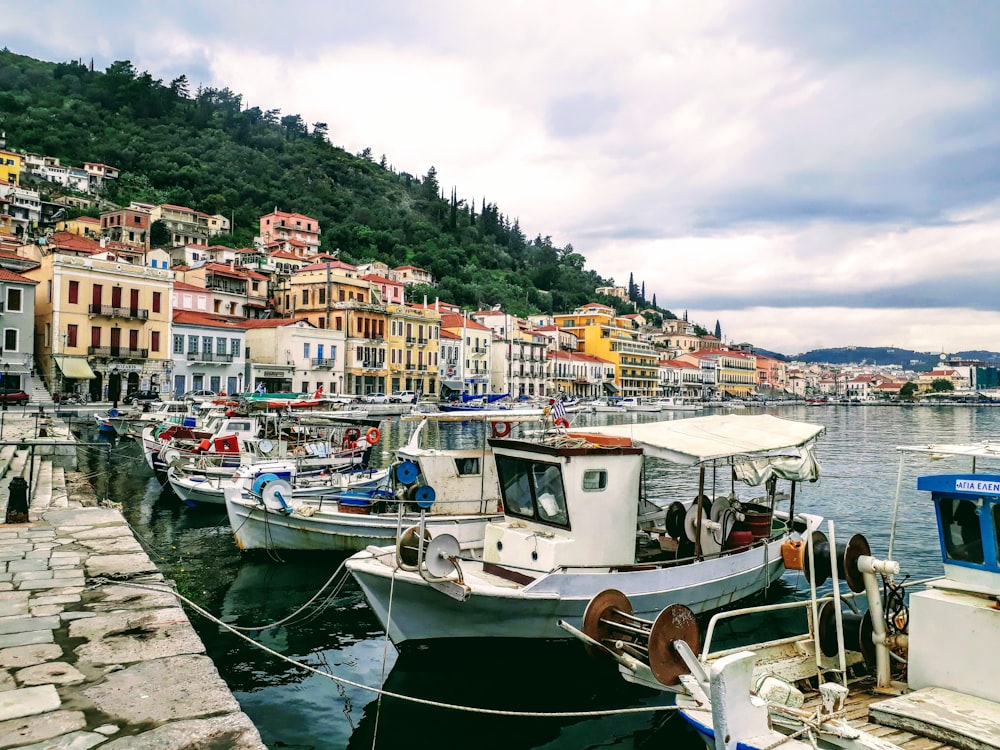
(87, 660)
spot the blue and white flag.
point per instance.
(558, 410)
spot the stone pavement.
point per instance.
(87, 664)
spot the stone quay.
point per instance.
(86, 660)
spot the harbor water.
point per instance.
(296, 708)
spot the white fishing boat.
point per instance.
(677, 403)
(571, 502)
(130, 421)
(267, 513)
(638, 403)
(914, 672)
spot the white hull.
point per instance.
(498, 608)
(330, 529)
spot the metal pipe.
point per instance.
(869, 566)
(701, 492)
(838, 611)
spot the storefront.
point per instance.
(272, 378)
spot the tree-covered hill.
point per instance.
(208, 150)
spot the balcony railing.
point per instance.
(422, 341)
(117, 351)
(110, 311)
(323, 362)
(367, 365)
(411, 339)
(208, 357)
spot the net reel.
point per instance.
(847, 560)
(610, 621)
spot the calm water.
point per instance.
(296, 709)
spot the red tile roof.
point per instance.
(191, 317)
(192, 287)
(450, 320)
(6, 275)
(374, 277)
(331, 264)
(445, 334)
(275, 322)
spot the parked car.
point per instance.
(403, 397)
(14, 397)
(137, 398)
(376, 398)
(199, 396)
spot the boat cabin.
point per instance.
(565, 505)
(955, 623)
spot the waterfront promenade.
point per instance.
(87, 660)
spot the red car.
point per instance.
(14, 397)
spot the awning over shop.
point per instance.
(75, 367)
(610, 387)
(455, 385)
(18, 369)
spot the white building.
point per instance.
(209, 353)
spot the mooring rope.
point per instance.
(166, 588)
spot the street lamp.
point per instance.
(6, 377)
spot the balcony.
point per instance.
(323, 363)
(368, 365)
(117, 351)
(422, 341)
(209, 357)
(110, 311)
(411, 339)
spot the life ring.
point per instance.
(373, 435)
(562, 422)
(351, 435)
(501, 429)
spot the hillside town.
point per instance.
(95, 308)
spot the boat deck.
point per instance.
(886, 717)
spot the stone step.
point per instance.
(42, 498)
(60, 494)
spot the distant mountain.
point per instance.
(888, 355)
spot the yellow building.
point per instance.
(10, 167)
(100, 322)
(734, 371)
(329, 295)
(601, 333)
(85, 226)
(414, 337)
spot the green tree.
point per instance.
(908, 390)
(939, 385)
(159, 235)
(718, 330)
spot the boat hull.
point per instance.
(257, 528)
(420, 613)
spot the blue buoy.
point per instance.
(407, 472)
(259, 482)
(113, 413)
(424, 496)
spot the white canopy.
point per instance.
(700, 439)
(941, 450)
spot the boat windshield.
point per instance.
(961, 529)
(533, 490)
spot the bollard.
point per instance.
(17, 501)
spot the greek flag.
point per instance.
(558, 410)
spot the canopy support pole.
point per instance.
(701, 493)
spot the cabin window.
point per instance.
(466, 466)
(963, 539)
(996, 530)
(595, 480)
(533, 490)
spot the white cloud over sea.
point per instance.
(810, 174)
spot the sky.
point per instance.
(809, 174)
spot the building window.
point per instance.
(156, 301)
(95, 335)
(220, 345)
(178, 344)
(319, 351)
(321, 296)
(71, 332)
(305, 350)
(234, 347)
(74, 292)
(192, 344)
(10, 340)
(154, 340)
(305, 297)
(13, 300)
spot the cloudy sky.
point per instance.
(810, 174)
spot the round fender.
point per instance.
(501, 429)
(373, 435)
(562, 422)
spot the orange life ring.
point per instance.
(352, 433)
(562, 422)
(373, 435)
(501, 429)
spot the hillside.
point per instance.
(905, 358)
(210, 151)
